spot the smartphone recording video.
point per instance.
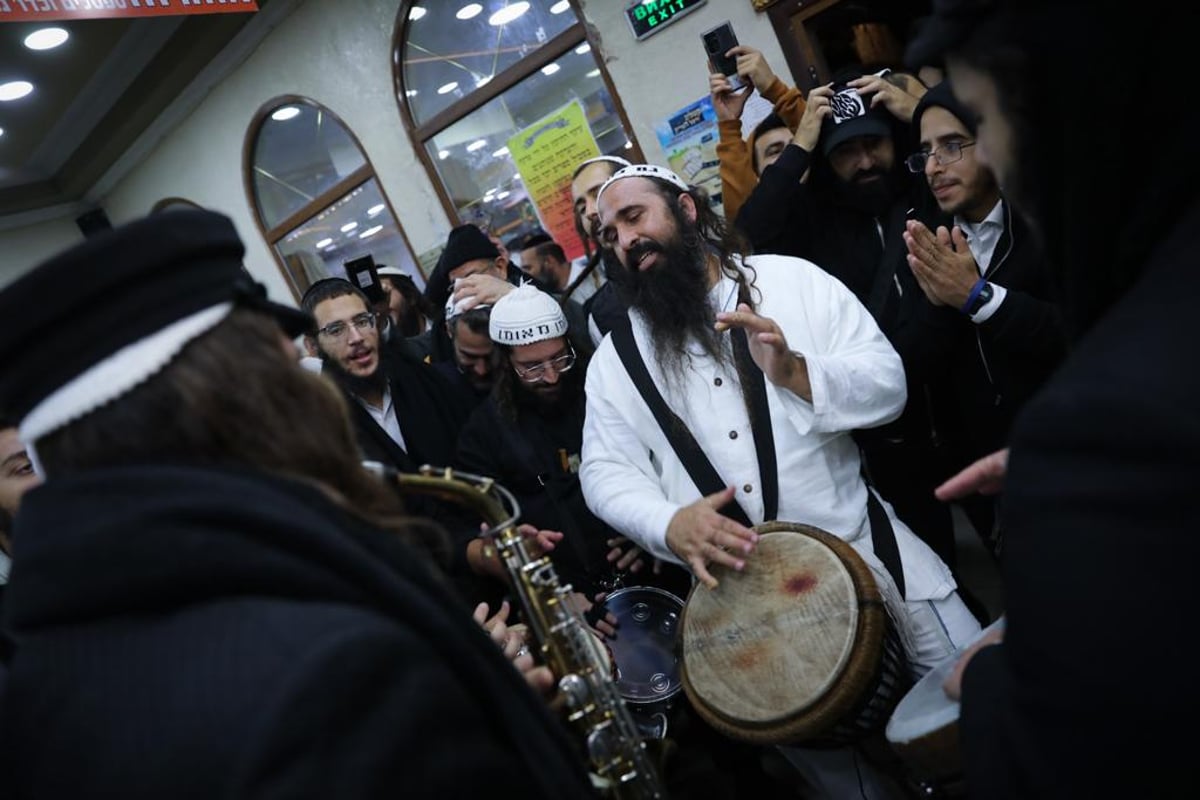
(717, 42)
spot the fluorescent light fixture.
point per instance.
(550, 69)
(509, 13)
(324, 243)
(46, 38)
(375, 209)
(349, 226)
(483, 81)
(583, 49)
(469, 11)
(501, 153)
(503, 195)
(593, 74)
(475, 145)
(285, 113)
(447, 88)
(15, 90)
(559, 7)
(416, 13)
(443, 154)
(374, 229)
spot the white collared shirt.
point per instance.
(982, 238)
(385, 417)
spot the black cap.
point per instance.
(465, 243)
(115, 289)
(941, 96)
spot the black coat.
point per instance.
(193, 633)
(1102, 540)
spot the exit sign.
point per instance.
(647, 17)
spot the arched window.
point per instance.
(473, 78)
(316, 197)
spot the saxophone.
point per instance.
(620, 763)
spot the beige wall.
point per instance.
(343, 61)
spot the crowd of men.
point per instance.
(919, 292)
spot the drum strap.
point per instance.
(883, 539)
(697, 464)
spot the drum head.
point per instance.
(646, 647)
(772, 640)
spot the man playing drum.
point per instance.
(828, 370)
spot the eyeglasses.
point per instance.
(339, 329)
(946, 154)
(537, 372)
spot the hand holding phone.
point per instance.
(717, 42)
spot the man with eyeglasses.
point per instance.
(404, 413)
(839, 195)
(997, 329)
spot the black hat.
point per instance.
(852, 115)
(466, 243)
(941, 96)
(950, 24)
(103, 316)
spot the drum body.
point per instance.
(646, 647)
(797, 648)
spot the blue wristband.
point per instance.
(973, 296)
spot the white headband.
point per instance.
(645, 171)
(115, 375)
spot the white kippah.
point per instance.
(620, 162)
(526, 315)
(644, 171)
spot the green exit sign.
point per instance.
(648, 17)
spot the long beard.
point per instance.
(551, 405)
(873, 197)
(673, 297)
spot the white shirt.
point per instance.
(589, 286)
(982, 238)
(633, 480)
(385, 417)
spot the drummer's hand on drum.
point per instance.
(952, 686)
(769, 349)
(700, 535)
(985, 476)
(603, 622)
(514, 643)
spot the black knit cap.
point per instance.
(465, 243)
(115, 289)
(941, 96)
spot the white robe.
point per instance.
(633, 480)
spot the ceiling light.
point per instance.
(448, 88)
(375, 209)
(349, 226)
(285, 113)
(483, 81)
(324, 243)
(550, 69)
(416, 13)
(501, 153)
(583, 48)
(628, 145)
(508, 13)
(46, 38)
(15, 90)
(559, 7)
(593, 74)
(410, 92)
(443, 154)
(1, 131)
(475, 145)
(468, 11)
(502, 195)
(370, 231)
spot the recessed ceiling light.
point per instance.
(447, 88)
(46, 38)
(583, 48)
(375, 209)
(416, 13)
(628, 145)
(1, 131)
(15, 90)
(475, 145)
(501, 153)
(559, 7)
(468, 11)
(508, 13)
(370, 231)
(502, 195)
(550, 69)
(483, 81)
(593, 74)
(349, 226)
(324, 243)
(410, 92)
(285, 113)
(443, 154)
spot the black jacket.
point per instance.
(195, 633)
